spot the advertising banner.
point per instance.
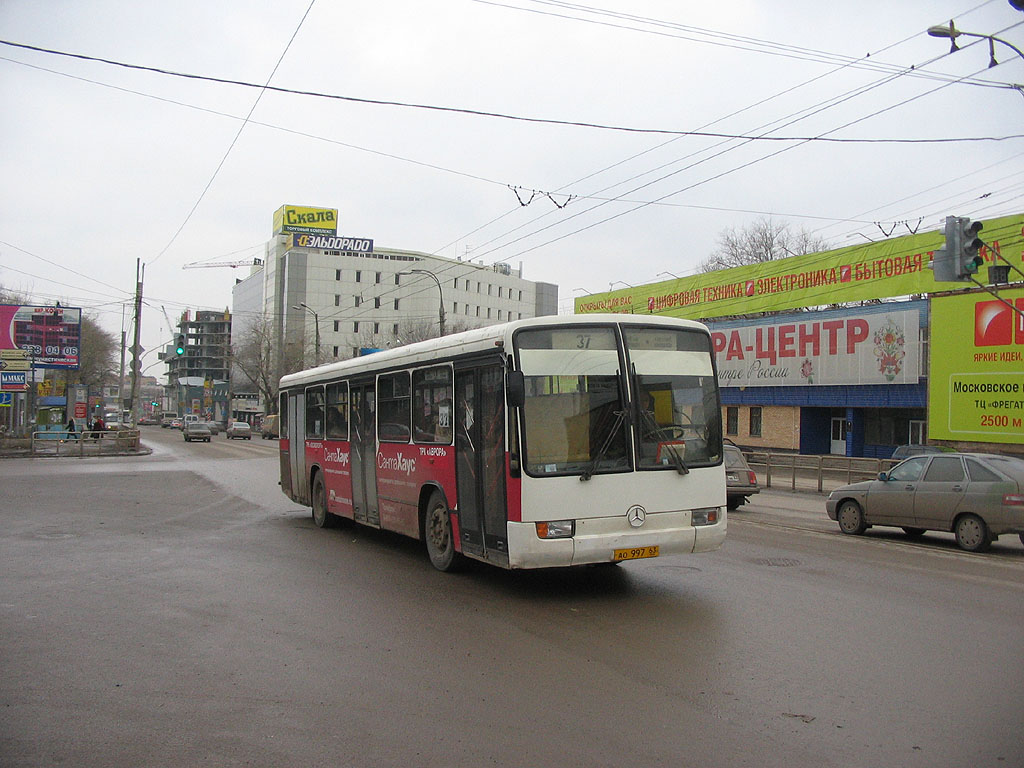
(50, 336)
(976, 382)
(328, 243)
(868, 349)
(303, 219)
(894, 267)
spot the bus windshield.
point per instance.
(677, 414)
(574, 413)
(577, 418)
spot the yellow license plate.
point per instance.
(634, 553)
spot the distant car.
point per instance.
(740, 480)
(269, 429)
(215, 427)
(148, 420)
(196, 430)
(175, 424)
(906, 451)
(977, 496)
(239, 430)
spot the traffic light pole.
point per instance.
(136, 346)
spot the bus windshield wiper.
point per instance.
(670, 448)
(589, 471)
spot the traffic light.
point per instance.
(179, 345)
(969, 258)
(958, 259)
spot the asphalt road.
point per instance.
(178, 610)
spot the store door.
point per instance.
(838, 444)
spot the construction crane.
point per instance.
(253, 262)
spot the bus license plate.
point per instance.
(634, 553)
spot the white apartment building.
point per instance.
(366, 298)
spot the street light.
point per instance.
(440, 293)
(953, 33)
(316, 322)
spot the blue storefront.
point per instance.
(849, 381)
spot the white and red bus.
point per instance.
(552, 441)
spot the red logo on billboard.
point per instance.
(994, 324)
(845, 273)
(749, 288)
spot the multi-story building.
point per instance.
(366, 297)
(197, 380)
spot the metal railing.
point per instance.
(813, 472)
(89, 443)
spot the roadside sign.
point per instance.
(6, 399)
(12, 381)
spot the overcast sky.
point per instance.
(102, 164)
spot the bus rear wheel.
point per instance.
(321, 517)
(437, 531)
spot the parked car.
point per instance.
(270, 427)
(239, 430)
(906, 451)
(740, 480)
(977, 496)
(196, 430)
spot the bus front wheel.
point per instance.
(437, 530)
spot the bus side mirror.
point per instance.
(515, 389)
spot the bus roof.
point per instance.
(475, 341)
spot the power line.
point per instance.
(507, 116)
(238, 135)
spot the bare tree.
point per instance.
(761, 241)
(411, 331)
(257, 357)
(96, 356)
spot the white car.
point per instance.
(239, 429)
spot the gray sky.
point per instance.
(101, 164)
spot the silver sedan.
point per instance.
(977, 496)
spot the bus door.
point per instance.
(362, 417)
(480, 460)
(297, 445)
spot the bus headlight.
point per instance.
(556, 529)
(704, 516)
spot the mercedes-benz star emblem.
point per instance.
(636, 515)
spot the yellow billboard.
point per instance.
(976, 382)
(306, 220)
(899, 266)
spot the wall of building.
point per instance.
(361, 300)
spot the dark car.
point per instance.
(906, 451)
(977, 496)
(196, 430)
(740, 480)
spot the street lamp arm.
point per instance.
(941, 30)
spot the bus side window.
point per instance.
(337, 411)
(432, 405)
(393, 408)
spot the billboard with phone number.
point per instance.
(50, 336)
(976, 386)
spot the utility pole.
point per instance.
(136, 347)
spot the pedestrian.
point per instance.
(71, 429)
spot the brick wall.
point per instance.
(780, 428)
